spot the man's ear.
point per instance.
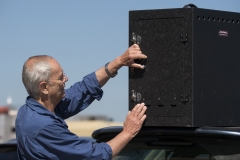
(43, 86)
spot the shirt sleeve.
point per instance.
(57, 142)
(79, 96)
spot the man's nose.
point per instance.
(65, 78)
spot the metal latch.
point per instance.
(136, 39)
(184, 37)
(184, 97)
(135, 96)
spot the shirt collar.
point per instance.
(36, 106)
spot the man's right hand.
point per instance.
(135, 119)
(128, 57)
(131, 127)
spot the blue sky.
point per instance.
(82, 35)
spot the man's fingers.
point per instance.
(134, 52)
(137, 55)
(135, 119)
(135, 46)
(136, 107)
(136, 110)
(139, 110)
(143, 118)
(142, 111)
(135, 65)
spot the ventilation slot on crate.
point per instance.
(228, 20)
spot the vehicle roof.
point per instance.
(227, 132)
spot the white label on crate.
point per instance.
(223, 33)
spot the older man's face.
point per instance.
(56, 83)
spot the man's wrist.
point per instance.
(108, 72)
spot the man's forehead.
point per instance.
(58, 71)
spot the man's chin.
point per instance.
(63, 94)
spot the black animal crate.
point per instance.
(192, 74)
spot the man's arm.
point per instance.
(132, 126)
(126, 59)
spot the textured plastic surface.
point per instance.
(192, 72)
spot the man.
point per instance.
(40, 129)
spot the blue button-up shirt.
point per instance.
(42, 134)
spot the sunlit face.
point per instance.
(56, 83)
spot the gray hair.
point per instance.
(35, 70)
